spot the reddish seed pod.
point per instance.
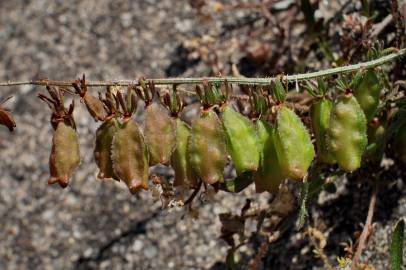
(94, 105)
(130, 156)
(65, 155)
(6, 118)
(102, 150)
(160, 134)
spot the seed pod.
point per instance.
(184, 174)
(207, 147)
(376, 131)
(367, 94)
(94, 105)
(160, 134)
(293, 144)
(102, 150)
(65, 156)
(400, 143)
(346, 135)
(320, 116)
(130, 156)
(242, 140)
(269, 175)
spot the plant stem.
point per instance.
(366, 231)
(233, 80)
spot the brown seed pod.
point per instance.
(102, 150)
(180, 162)
(105, 134)
(94, 105)
(130, 156)
(160, 128)
(65, 155)
(160, 134)
(6, 118)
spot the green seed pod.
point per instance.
(160, 134)
(65, 155)
(320, 116)
(367, 94)
(102, 150)
(293, 144)
(184, 174)
(130, 156)
(375, 148)
(269, 175)
(400, 143)
(346, 135)
(242, 140)
(207, 148)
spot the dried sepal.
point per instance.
(94, 105)
(56, 103)
(6, 118)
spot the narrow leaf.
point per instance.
(396, 248)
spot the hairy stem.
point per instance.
(234, 80)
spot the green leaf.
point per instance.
(230, 260)
(396, 248)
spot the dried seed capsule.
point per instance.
(95, 107)
(242, 140)
(65, 156)
(160, 134)
(184, 174)
(269, 175)
(293, 144)
(346, 135)
(320, 116)
(400, 143)
(102, 150)
(207, 148)
(6, 118)
(130, 156)
(367, 94)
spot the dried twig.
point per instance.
(366, 231)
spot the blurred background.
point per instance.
(99, 225)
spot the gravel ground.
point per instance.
(94, 224)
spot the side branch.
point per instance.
(233, 80)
